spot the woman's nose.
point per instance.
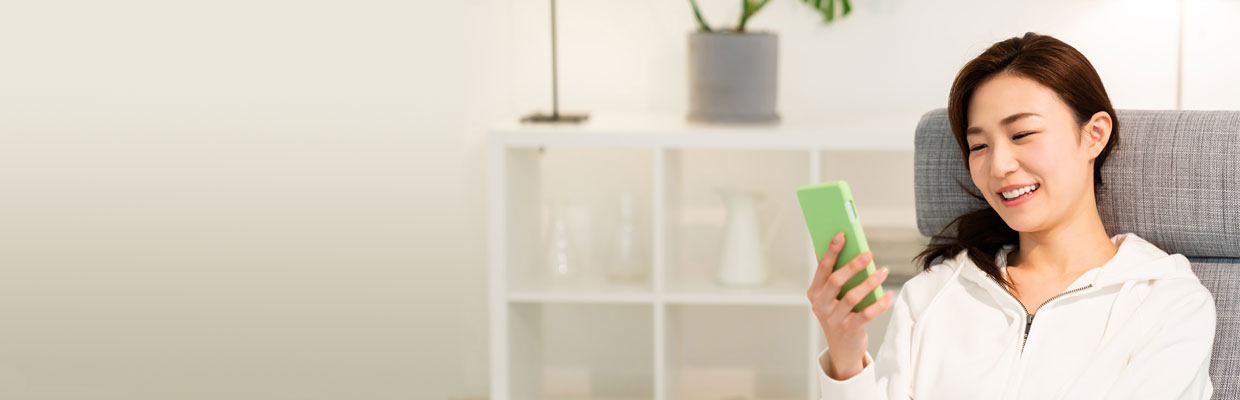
(1002, 162)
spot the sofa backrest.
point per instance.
(1173, 179)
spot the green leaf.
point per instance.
(697, 14)
(827, 8)
(758, 6)
(740, 26)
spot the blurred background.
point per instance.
(272, 199)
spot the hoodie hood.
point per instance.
(1135, 260)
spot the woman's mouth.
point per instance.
(1016, 197)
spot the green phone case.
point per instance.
(829, 209)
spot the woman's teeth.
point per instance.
(1013, 194)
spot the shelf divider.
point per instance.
(659, 246)
(497, 182)
(815, 176)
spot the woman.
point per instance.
(1032, 300)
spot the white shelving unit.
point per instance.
(676, 334)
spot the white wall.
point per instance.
(886, 64)
(1211, 55)
(240, 200)
(276, 199)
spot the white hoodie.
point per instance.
(1140, 326)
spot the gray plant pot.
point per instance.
(733, 77)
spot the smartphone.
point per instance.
(829, 209)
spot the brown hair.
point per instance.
(1051, 63)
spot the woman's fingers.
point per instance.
(871, 312)
(835, 282)
(825, 289)
(854, 296)
(827, 263)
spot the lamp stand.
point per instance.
(555, 115)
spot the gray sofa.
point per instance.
(1174, 179)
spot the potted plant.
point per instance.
(732, 72)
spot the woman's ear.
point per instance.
(1096, 134)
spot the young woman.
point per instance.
(1033, 300)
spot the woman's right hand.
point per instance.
(845, 329)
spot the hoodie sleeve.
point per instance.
(1175, 362)
(889, 376)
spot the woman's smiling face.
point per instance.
(1021, 135)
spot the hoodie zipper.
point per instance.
(1029, 317)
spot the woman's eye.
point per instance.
(1018, 136)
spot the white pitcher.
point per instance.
(743, 262)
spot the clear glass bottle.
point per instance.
(627, 263)
(560, 257)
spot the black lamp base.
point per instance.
(541, 118)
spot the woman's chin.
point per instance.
(1023, 218)
(1021, 224)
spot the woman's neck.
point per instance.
(1067, 250)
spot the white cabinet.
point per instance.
(665, 328)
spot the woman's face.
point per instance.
(1019, 135)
